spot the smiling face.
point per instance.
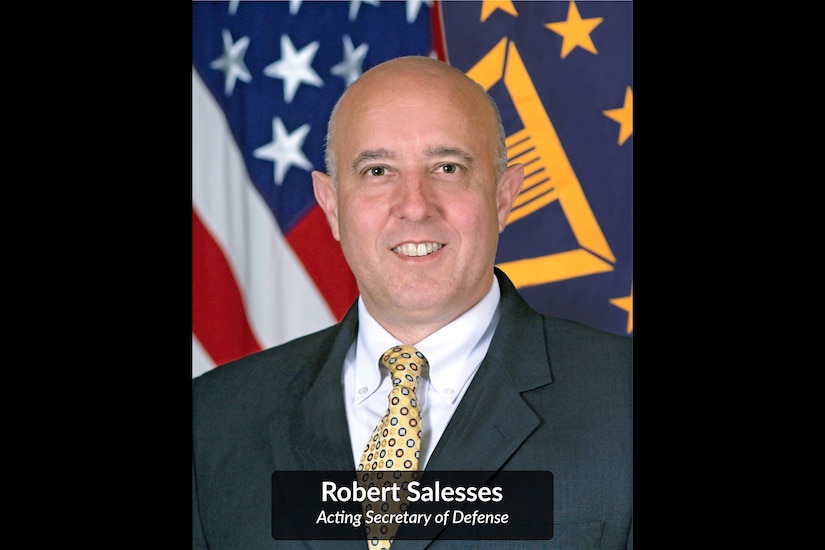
(416, 205)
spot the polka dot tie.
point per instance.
(395, 444)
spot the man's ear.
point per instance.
(509, 187)
(327, 196)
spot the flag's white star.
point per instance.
(294, 6)
(285, 149)
(231, 62)
(233, 6)
(413, 7)
(350, 68)
(355, 5)
(294, 67)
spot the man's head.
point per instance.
(417, 192)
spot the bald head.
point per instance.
(421, 81)
(417, 191)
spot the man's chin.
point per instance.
(425, 301)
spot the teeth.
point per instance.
(422, 249)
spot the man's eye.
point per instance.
(377, 171)
(449, 168)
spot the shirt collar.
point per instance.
(453, 351)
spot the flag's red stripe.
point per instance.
(218, 315)
(437, 29)
(321, 255)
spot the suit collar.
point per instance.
(493, 405)
(519, 342)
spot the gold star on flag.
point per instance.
(626, 303)
(575, 31)
(489, 6)
(624, 116)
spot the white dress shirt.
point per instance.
(454, 353)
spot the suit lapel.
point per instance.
(493, 419)
(319, 433)
(489, 425)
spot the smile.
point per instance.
(422, 249)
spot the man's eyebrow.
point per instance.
(452, 152)
(371, 155)
(382, 153)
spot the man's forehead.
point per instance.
(407, 91)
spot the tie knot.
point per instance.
(405, 364)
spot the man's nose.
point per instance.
(414, 199)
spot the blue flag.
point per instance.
(562, 75)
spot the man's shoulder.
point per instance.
(558, 329)
(282, 361)
(575, 347)
(521, 319)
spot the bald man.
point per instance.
(417, 191)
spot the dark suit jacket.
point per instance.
(551, 394)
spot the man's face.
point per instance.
(417, 208)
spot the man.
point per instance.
(417, 191)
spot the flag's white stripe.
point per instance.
(201, 362)
(281, 300)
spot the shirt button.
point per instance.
(363, 390)
(449, 391)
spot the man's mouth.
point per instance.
(421, 249)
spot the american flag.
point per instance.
(265, 76)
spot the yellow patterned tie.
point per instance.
(395, 444)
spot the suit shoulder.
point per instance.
(586, 341)
(596, 365)
(569, 327)
(283, 361)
